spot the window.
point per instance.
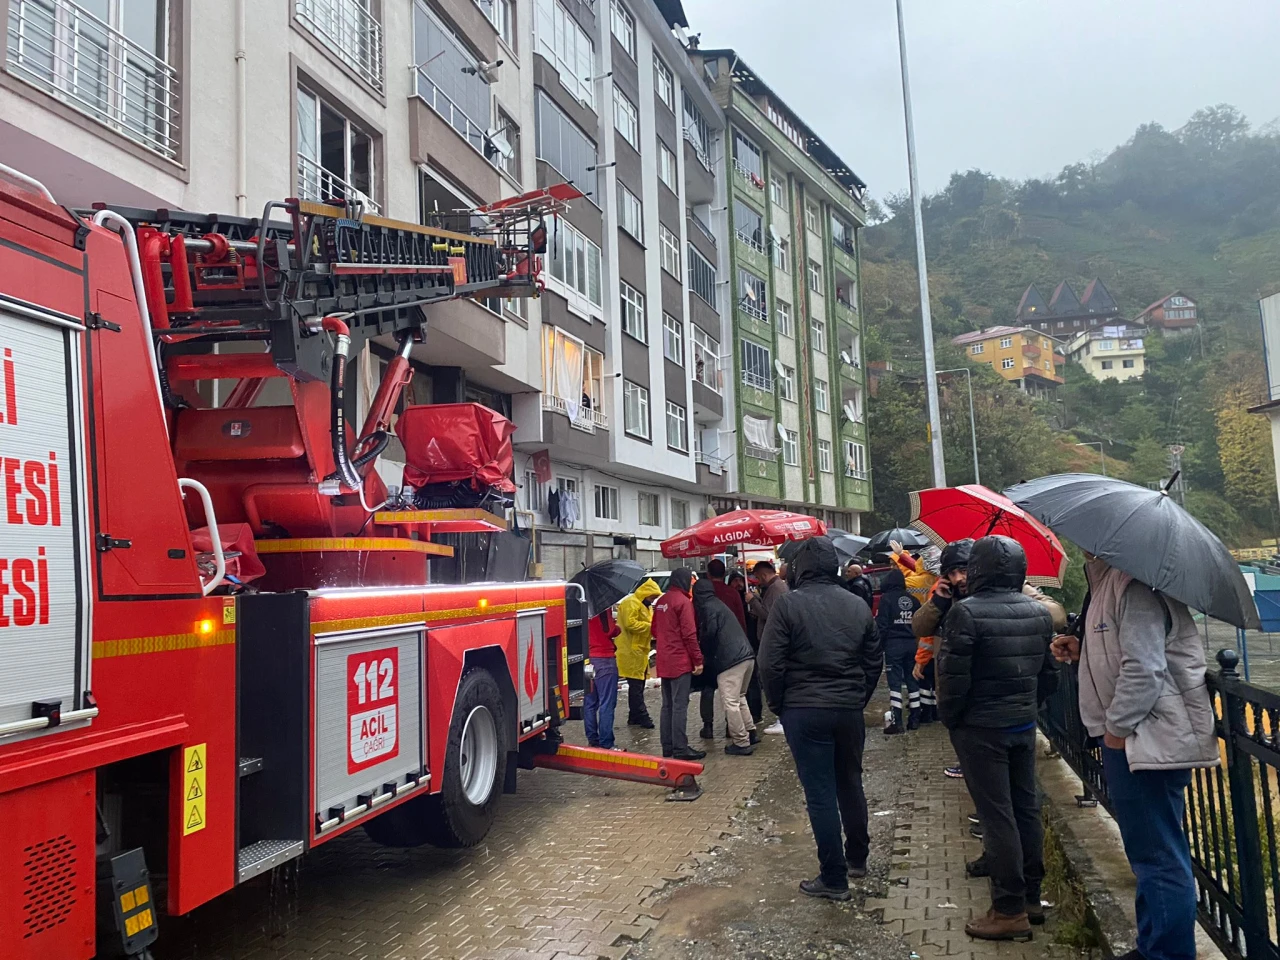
(977, 348)
(679, 514)
(811, 218)
(747, 159)
(673, 339)
(702, 276)
(558, 37)
(532, 492)
(753, 297)
(1007, 363)
(650, 509)
(757, 366)
(782, 310)
(508, 131)
(748, 225)
(669, 248)
(502, 14)
(449, 79)
(573, 379)
(706, 357)
(335, 157)
(562, 144)
(818, 335)
(1045, 344)
(630, 213)
(574, 261)
(759, 436)
(1006, 343)
(1127, 364)
(791, 448)
(666, 165)
(855, 460)
(635, 406)
(815, 276)
(633, 317)
(824, 456)
(664, 84)
(1106, 344)
(606, 503)
(821, 400)
(842, 234)
(623, 25)
(1108, 364)
(781, 254)
(778, 190)
(787, 383)
(696, 129)
(677, 427)
(626, 119)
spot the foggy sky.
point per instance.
(1015, 87)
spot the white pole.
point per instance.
(930, 368)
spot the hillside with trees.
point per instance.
(1196, 210)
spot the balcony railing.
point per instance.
(587, 420)
(703, 229)
(757, 380)
(350, 30)
(709, 460)
(73, 56)
(317, 183)
(439, 101)
(691, 138)
(749, 176)
(751, 241)
(854, 474)
(754, 309)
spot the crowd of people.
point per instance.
(974, 646)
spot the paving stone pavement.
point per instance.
(571, 869)
(929, 899)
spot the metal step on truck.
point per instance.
(220, 646)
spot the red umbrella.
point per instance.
(945, 514)
(769, 527)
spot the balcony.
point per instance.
(699, 177)
(1030, 350)
(350, 30)
(750, 241)
(587, 420)
(324, 186)
(60, 48)
(703, 230)
(754, 179)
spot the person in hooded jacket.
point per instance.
(893, 618)
(994, 668)
(820, 660)
(728, 657)
(635, 618)
(675, 634)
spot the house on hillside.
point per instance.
(1021, 355)
(1065, 315)
(1110, 353)
(1175, 313)
(1270, 309)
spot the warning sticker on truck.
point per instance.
(373, 704)
(195, 762)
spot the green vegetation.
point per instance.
(1196, 210)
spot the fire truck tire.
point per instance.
(461, 814)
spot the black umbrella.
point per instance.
(910, 540)
(607, 582)
(1147, 535)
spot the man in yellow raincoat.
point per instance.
(635, 620)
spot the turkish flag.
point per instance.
(542, 466)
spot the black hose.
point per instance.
(376, 442)
(346, 471)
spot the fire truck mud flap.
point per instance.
(678, 776)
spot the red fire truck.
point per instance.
(219, 642)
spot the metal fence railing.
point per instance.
(350, 29)
(1232, 812)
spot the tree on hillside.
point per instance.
(1244, 446)
(1211, 129)
(1149, 463)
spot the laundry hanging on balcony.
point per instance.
(758, 432)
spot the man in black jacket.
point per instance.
(729, 658)
(820, 659)
(994, 668)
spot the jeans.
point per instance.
(1000, 772)
(897, 671)
(1148, 806)
(732, 686)
(673, 724)
(827, 747)
(636, 709)
(601, 701)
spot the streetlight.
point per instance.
(930, 371)
(973, 430)
(1101, 453)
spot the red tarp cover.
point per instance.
(447, 442)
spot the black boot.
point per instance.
(707, 732)
(928, 713)
(895, 725)
(913, 719)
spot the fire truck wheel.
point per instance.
(462, 812)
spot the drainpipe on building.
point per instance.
(242, 147)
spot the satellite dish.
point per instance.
(773, 232)
(782, 432)
(844, 355)
(749, 292)
(850, 410)
(779, 368)
(498, 140)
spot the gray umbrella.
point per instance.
(847, 546)
(1147, 535)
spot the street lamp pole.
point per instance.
(1101, 453)
(973, 430)
(930, 368)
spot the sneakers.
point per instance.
(955, 773)
(999, 926)
(977, 868)
(973, 818)
(707, 732)
(976, 831)
(734, 750)
(1035, 912)
(775, 727)
(690, 754)
(816, 888)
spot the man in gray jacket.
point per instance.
(1142, 690)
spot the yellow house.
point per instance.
(1019, 354)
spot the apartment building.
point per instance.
(1111, 353)
(1024, 356)
(796, 431)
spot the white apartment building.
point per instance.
(421, 108)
